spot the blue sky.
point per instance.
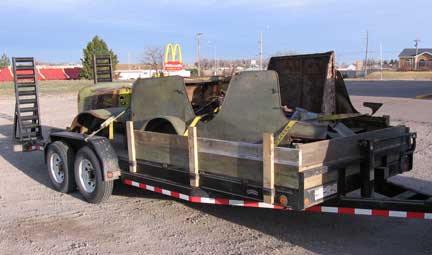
(57, 30)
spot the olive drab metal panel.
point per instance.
(160, 97)
(241, 119)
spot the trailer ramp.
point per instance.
(27, 125)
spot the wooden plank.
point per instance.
(268, 167)
(283, 156)
(248, 170)
(340, 149)
(230, 149)
(193, 157)
(233, 159)
(131, 146)
(162, 148)
(320, 179)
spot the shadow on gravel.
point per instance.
(329, 233)
(321, 233)
(30, 163)
(33, 165)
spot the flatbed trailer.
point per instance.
(347, 174)
(375, 197)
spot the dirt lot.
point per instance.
(35, 219)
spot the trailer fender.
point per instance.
(101, 146)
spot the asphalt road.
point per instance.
(404, 89)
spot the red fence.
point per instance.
(6, 75)
(73, 73)
(46, 74)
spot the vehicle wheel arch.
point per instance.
(177, 124)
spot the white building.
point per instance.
(125, 75)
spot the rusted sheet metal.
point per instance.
(104, 95)
(87, 118)
(255, 102)
(311, 82)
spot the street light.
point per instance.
(199, 52)
(261, 48)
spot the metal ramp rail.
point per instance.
(102, 68)
(27, 125)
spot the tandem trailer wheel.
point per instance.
(89, 178)
(60, 160)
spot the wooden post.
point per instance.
(193, 156)
(268, 168)
(131, 146)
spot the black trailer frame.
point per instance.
(393, 200)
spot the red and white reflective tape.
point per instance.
(317, 208)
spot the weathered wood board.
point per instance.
(334, 151)
(234, 159)
(245, 160)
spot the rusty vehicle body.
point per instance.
(306, 89)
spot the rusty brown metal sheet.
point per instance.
(307, 81)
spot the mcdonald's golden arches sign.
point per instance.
(173, 58)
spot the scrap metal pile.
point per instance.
(299, 98)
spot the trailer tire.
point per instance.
(60, 164)
(89, 179)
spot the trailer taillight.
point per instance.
(283, 200)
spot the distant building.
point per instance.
(125, 75)
(413, 59)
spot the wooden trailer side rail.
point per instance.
(263, 164)
(311, 172)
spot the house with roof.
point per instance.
(415, 59)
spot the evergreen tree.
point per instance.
(99, 47)
(4, 61)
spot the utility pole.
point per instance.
(261, 51)
(215, 61)
(381, 60)
(199, 53)
(417, 49)
(129, 60)
(366, 55)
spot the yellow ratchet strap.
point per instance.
(284, 131)
(193, 124)
(342, 116)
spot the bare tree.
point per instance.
(154, 57)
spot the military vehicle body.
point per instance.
(323, 147)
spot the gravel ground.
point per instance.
(35, 219)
